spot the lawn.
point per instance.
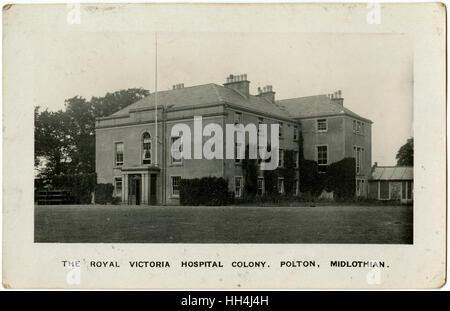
(228, 224)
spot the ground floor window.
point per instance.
(260, 185)
(360, 186)
(296, 187)
(118, 187)
(176, 185)
(280, 185)
(384, 190)
(406, 190)
(237, 186)
(322, 158)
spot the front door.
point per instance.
(152, 189)
(134, 189)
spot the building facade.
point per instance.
(133, 145)
(331, 132)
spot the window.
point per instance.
(119, 153)
(280, 134)
(295, 132)
(118, 187)
(358, 127)
(238, 148)
(260, 121)
(322, 125)
(237, 118)
(406, 190)
(281, 159)
(360, 187)
(178, 152)
(146, 148)
(238, 187)
(384, 190)
(260, 185)
(322, 158)
(280, 185)
(176, 185)
(295, 155)
(359, 151)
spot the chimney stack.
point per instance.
(267, 92)
(178, 86)
(239, 83)
(336, 97)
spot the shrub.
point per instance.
(204, 191)
(341, 178)
(104, 193)
(80, 185)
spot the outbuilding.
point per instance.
(393, 183)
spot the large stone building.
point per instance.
(142, 168)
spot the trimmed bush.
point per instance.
(104, 193)
(204, 191)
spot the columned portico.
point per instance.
(140, 185)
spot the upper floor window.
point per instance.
(260, 121)
(322, 158)
(281, 158)
(358, 127)
(280, 134)
(146, 148)
(295, 132)
(237, 118)
(322, 125)
(239, 152)
(177, 153)
(118, 153)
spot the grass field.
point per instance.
(229, 224)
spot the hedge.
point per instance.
(80, 185)
(204, 191)
(339, 178)
(104, 193)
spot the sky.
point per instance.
(374, 71)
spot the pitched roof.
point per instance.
(206, 94)
(315, 106)
(392, 173)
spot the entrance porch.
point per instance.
(140, 185)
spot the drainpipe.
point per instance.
(164, 160)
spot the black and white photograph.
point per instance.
(186, 125)
(107, 171)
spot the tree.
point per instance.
(405, 155)
(66, 139)
(50, 141)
